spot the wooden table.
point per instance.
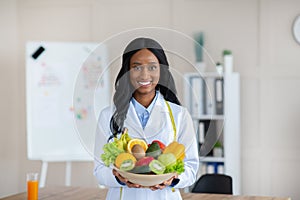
(81, 193)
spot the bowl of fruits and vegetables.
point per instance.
(142, 163)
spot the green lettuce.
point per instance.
(178, 167)
(111, 151)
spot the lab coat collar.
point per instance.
(158, 120)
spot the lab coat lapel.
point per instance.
(133, 123)
(158, 122)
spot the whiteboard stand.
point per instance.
(68, 173)
(43, 174)
(44, 169)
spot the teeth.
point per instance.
(144, 83)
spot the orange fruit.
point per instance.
(133, 142)
(122, 157)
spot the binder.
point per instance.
(210, 96)
(201, 131)
(219, 94)
(220, 168)
(208, 137)
(210, 168)
(215, 168)
(197, 97)
(203, 168)
(200, 134)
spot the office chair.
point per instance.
(214, 184)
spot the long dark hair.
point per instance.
(124, 89)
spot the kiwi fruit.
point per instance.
(157, 167)
(138, 151)
(167, 159)
(127, 165)
(122, 157)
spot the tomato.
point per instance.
(162, 146)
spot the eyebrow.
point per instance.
(138, 63)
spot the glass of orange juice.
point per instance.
(32, 186)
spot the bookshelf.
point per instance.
(214, 103)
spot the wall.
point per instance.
(10, 100)
(279, 106)
(257, 31)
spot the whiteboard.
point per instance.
(62, 82)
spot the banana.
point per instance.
(124, 139)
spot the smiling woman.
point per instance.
(145, 103)
(141, 53)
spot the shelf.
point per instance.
(209, 117)
(206, 74)
(211, 159)
(227, 122)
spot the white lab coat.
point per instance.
(158, 127)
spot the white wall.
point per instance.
(277, 148)
(257, 31)
(9, 103)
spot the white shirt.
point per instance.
(158, 127)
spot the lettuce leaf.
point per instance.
(111, 151)
(178, 167)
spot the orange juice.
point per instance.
(32, 190)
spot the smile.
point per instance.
(144, 83)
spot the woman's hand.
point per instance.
(163, 185)
(124, 180)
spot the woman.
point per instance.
(145, 102)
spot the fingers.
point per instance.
(153, 188)
(124, 180)
(163, 185)
(160, 186)
(157, 187)
(169, 182)
(121, 178)
(132, 185)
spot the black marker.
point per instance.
(38, 52)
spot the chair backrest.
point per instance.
(214, 184)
